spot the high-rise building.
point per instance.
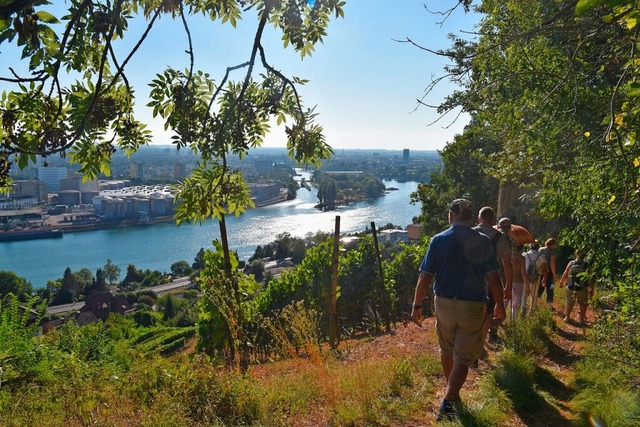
(76, 183)
(178, 171)
(405, 154)
(136, 170)
(51, 176)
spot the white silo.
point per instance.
(157, 204)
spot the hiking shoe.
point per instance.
(447, 411)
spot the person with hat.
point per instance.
(461, 265)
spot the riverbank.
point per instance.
(156, 247)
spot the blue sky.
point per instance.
(364, 83)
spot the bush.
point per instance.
(144, 318)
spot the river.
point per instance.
(158, 246)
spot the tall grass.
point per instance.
(374, 391)
(295, 332)
(528, 335)
(606, 394)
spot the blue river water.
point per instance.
(158, 246)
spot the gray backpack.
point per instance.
(532, 269)
(576, 275)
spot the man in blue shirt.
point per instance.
(461, 264)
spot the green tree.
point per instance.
(198, 262)
(95, 113)
(144, 318)
(181, 268)
(85, 280)
(111, 272)
(133, 275)
(329, 192)
(256, 267)
(298, 251)
(69, 288)
(49, 291)
(11, 283)
(101, 281)
(552, 91)
(169, 310)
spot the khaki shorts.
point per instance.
(582, 296)
(459, 328)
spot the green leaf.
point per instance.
(585, 6)
(46, 17)
(4, 24)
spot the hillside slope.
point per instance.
(548, 404)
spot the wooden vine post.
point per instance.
(383, 293)
(333, 295)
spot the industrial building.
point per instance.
(134, 202)
(31, 187)
(52, 176)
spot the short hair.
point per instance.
(551, 241)
(487, 214)
(462, 208)
(504, 222)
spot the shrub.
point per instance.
(144, 318)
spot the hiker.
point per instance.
(521, 285)
(461, 265)
(504, 225)
(535, 268)
(579, 287)
(548, 252)
(486, 221)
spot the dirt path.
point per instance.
(553, 387)
(554, 372)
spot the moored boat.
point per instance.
(30, 234)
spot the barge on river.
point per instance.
(30, 234)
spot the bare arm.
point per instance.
(544, 269)
(508, 274)
(495, 287)
(422, 289)
(565, 275)
(523, 271)
(553, 266)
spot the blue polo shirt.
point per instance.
(459, 258)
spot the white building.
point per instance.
(18, 202)
(393, 236)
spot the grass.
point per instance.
(367, 392)
(394, 383)
(605, 394)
